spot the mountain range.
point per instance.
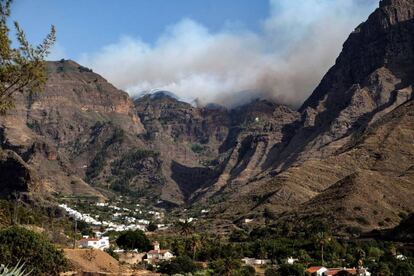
(346, 156)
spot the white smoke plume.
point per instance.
(285, 61)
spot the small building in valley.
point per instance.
(157, 254)
(317, 270)
(96, 243)
(291, 260)
(253, 261)
(323, 271)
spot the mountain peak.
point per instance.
(396, 11)
(384, 3)
(66, 65)
(160, 94)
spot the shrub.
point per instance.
(39, 255)
(354, 230)
(197, 148)
(239, 235)
(247, 271)
(381, 269)
(292, 270)
(271, 272)
(403, 269)
(362, 220)
(402, 215)
(111, 252)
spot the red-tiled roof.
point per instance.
(335, 271)
(89, 239)
(313, 269)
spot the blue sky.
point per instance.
(223, 51)
(86, 25)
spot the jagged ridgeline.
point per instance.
(346, 156)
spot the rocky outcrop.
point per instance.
(57, 132)
(16, 176)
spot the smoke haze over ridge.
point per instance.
(297, 44)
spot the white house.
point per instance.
(291, 260)
(157, 254)
(253, 261)
(401, 257)
(97, 243)
(317, 270)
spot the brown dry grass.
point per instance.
(97, 262)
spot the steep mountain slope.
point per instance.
(187, 139)
(204, 149)
(352, 147)
(379, 180)
(62, 132)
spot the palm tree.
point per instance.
(322, 239)
(185, 227)
(195, 244)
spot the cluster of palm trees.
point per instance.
(187, 228)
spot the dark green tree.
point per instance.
(239, 235)
(247, 271)
(271, 272)
(22, 68)
(404, 268)
(39, 255)
(381, 269)
(225, 267)
(292, 270)
(181, 264)
(130, 240)
(152, 226)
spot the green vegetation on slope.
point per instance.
(40, 256)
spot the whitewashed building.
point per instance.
(291, 260)
(157, 254)
(96, 243)
(253, 261)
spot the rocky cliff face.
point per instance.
(62, 131)
(350, 154)
(346, 154)
(206, 149)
